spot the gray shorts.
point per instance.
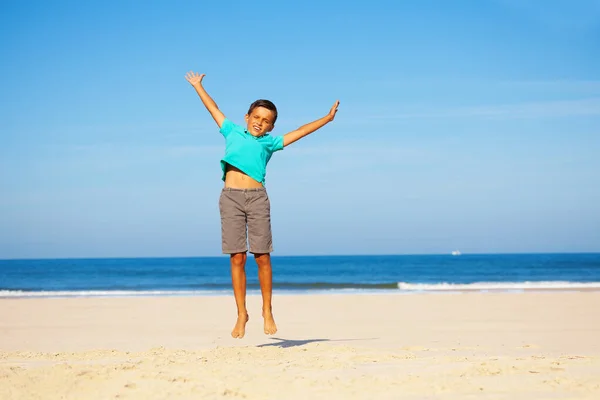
(245, 216)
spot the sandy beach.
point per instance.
(348, 346)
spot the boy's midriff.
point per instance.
(236, 179)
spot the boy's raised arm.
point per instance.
(304, 130)
(195, 80)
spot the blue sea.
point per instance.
(402, 274)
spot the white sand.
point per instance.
(448, 346)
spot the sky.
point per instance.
(462, 125)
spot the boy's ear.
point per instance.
(271, 128)
(246, 118)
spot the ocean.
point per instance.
(402, 274)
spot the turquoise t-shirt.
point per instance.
(250, 154)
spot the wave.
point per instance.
(498, 286)
(206, 290)
(316, 287)
(108, 293)
(333, 286)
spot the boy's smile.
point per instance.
(259, 121)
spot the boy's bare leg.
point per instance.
(265, 277)
(238, 281)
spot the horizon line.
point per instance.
(462, 254)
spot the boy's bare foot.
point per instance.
(270, 327)
(239, 330)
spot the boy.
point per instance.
(244, 203)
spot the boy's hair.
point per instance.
(265, 104)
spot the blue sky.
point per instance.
(471, 125)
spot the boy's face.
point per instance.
(260, 121)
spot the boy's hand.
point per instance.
(333, 110)
(194, 78)
(304, 130)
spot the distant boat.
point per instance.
(456, 253)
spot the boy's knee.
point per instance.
(262, 259)
(238, 259)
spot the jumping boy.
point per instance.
(244, 205)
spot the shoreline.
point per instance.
(125, 294)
